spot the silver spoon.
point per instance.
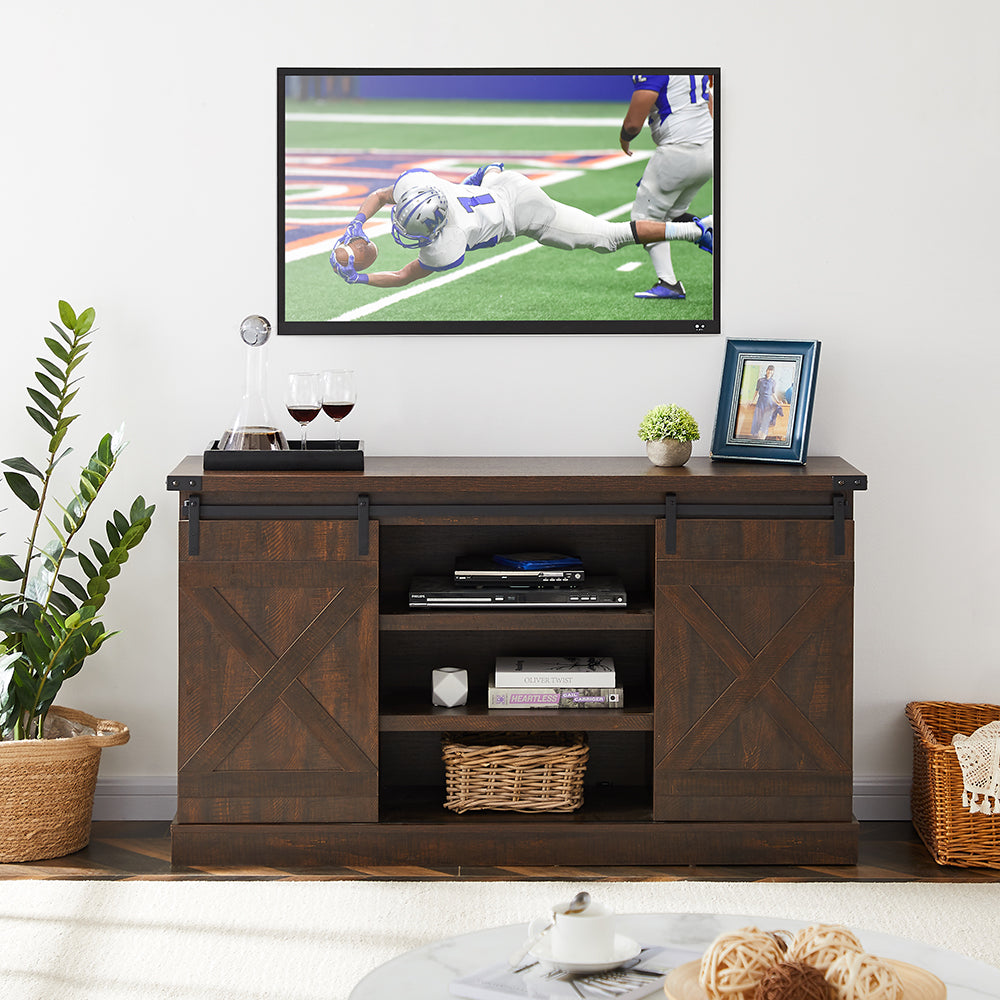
(577, 904)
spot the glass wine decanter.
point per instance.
(253, 429)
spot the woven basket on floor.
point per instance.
(47, 789)
(518, 772)
(953, 835)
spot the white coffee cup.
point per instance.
(583, 937)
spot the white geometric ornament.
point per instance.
(449, 686)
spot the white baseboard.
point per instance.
(877, 797)
(144, 798)
(141, 798)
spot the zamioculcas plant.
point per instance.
(49, 625)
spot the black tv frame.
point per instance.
(657, 325)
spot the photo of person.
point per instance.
(765, 413)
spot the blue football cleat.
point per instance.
(707, 241)
(663, 290)
(476, 177)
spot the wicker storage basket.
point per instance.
(518, 772)
(953, 835)
(47, 789)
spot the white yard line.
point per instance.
(554, 122)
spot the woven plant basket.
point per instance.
(952, 834)
(516, 772)
(47, 789)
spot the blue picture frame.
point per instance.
(766, 401)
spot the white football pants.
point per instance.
(554, 224)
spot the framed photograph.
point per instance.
(766, 400)
(508, 251)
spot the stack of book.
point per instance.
(554, 682)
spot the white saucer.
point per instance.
(625, 950)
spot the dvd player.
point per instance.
(437, 591)
(481, 569)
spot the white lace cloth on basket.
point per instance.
(979, 758)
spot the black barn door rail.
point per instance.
(364, 510)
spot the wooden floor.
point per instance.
(890, 852)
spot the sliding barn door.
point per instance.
(278, 713)
(753, 667)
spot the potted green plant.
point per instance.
(668, 431)
(49, 622)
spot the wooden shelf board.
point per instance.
(501, 619)
(474, 718)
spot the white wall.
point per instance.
(858, 174)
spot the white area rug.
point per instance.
(310, 940)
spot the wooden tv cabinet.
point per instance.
(306, 731)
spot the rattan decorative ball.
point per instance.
(857, 975)
(794, 981)
(822, 944)
(737, 961)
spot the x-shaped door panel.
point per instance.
(278, 679)
(753, 692)
(754, 677)
(278, 703)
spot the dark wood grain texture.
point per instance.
(889, 851)
(754, 673)
(278, 706)
(306, 734)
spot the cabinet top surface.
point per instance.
(623, 475)
(541, 466)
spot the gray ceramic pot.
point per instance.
(668, 452)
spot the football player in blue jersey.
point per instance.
(443, 221)
(680, 112)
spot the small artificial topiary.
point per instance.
(669, 421)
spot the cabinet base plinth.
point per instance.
(539, 842)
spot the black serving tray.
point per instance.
(318, 456)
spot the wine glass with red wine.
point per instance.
(339, 396)
(304, 399)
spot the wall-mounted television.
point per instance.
(508, 250)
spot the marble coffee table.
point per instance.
(425, 973)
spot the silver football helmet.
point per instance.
(419, 215)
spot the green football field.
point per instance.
(575, 146)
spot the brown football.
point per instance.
(364, 253)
